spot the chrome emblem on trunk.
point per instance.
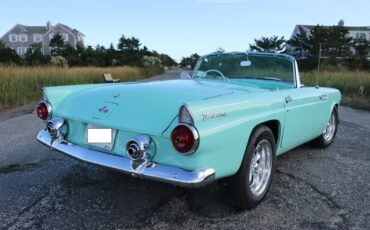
(104, 109)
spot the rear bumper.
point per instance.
(144, 169)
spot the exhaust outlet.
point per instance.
(136, 148)
(53, 127)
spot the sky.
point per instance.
(182, 27)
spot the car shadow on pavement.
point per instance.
(90, 196)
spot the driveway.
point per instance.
(312, 188)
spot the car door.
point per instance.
(322, 110)
(299, 110)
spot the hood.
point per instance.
(138, 107)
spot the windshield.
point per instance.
(245, 66)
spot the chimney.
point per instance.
(48, 25)
(341, 22)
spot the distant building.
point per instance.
(20, 37)
(354, 31)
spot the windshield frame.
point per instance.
(295, 74)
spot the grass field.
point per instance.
(19, 86)
(347, 82)
(22, 85)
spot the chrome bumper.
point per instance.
(144, 168)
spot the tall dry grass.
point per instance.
(348, 82)
(21, 85)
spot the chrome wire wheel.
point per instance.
(260, 167)
(328, 133)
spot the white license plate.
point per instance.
(100, 137)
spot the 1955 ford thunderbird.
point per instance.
(228, 122)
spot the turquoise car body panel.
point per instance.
(152, 109)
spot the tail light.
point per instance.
(185, 138)
(44, 110)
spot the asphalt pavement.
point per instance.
(312, 188)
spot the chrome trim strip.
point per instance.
(186, 107)
(324, 97)
(144, 169)
(296, 77)
(45, 96)
(250, 54)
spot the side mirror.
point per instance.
(184, 75)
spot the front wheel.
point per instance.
(328, 135)
(247, 188)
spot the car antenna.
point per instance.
(318, 68)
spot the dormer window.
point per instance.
(13, 37)
(23, 38)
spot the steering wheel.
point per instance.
(219, 75)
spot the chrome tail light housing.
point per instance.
(44, 110)
(185, 138)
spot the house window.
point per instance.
(360, 36)
(23, 38)
(21, 50)
(65, 37)
(13, 37)
(37, 38)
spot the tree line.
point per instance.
(128, 51)
(333, 43)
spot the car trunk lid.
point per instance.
(139, 107)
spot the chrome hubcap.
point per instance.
(329, 131)
(260, 168)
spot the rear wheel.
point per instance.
(328, 135)
(247, 188)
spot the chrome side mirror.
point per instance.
(185, 75)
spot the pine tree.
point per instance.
(298, 44)
(56, 45)
(273, 44)
(34, 56)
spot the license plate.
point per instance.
(100, 137)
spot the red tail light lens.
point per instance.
(185, 138)
(43, 110)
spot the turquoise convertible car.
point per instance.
(228, 122)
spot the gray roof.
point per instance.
(43, 30)
(35, 29)
(74, 31)
(347, 27)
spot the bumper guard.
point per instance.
(143, 168)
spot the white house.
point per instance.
(20, 37)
